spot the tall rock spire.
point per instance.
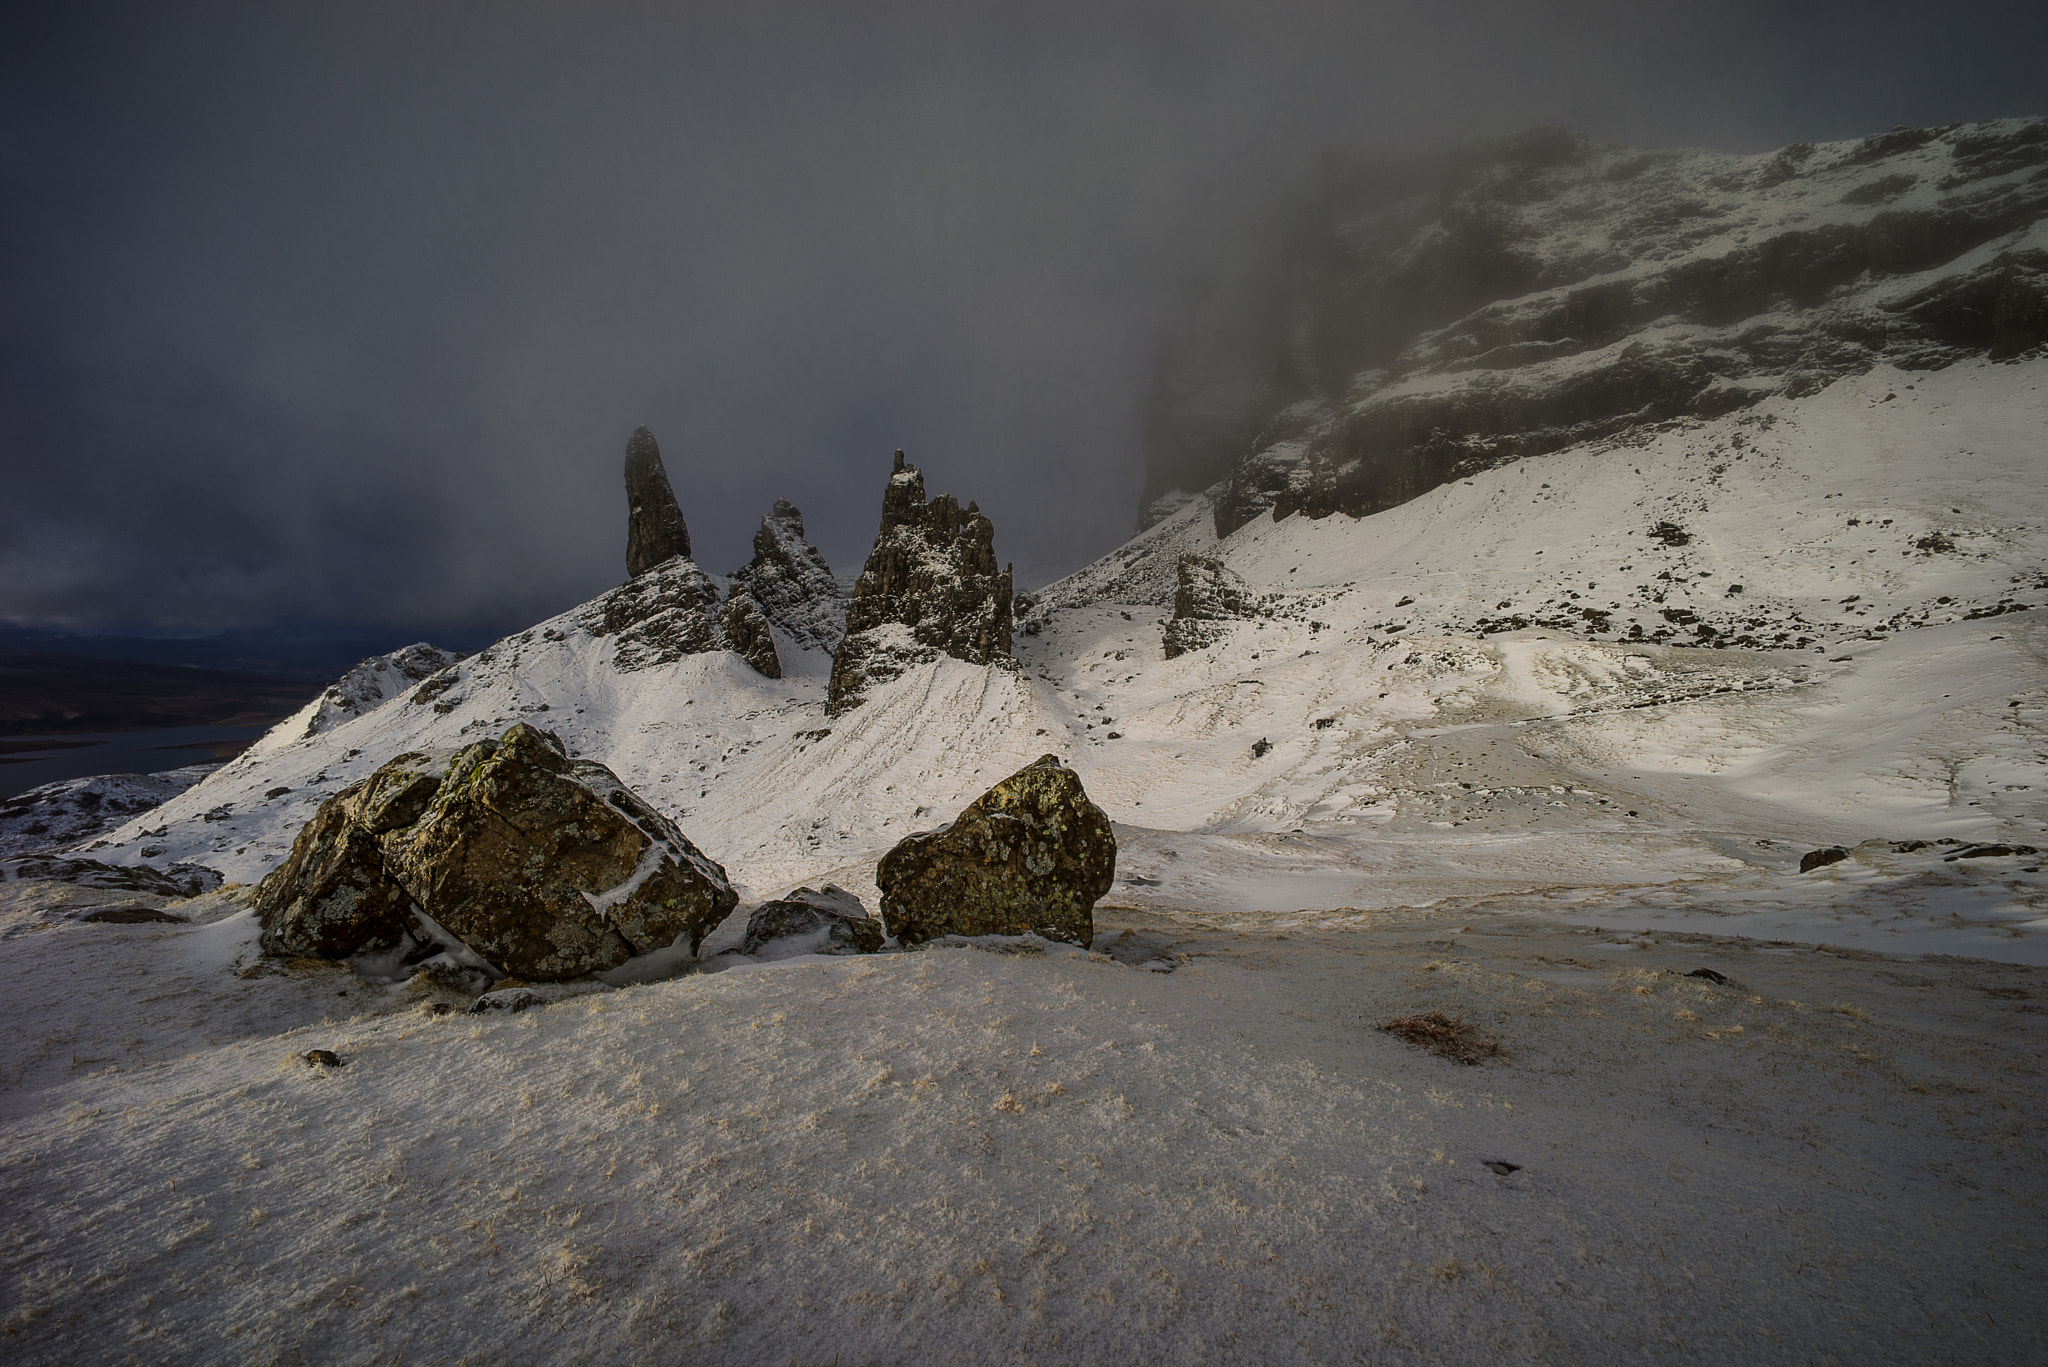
(933, 571)
(654, 526)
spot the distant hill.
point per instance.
(52, 693)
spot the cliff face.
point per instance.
(931, 586)
(1430, 318)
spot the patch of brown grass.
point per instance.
(1446, 1036)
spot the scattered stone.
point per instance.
(1670, 534)
(1030, 854)
(931, 586)
(1446, 1036)
(132, 916)
(323, 1058)
(1989, 852)
(1261, 748)
(1818, 859)
(830, 920)
(509, 1000)
(1501, 1166)
(654, 525)
(178, 880)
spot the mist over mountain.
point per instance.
(339, 317)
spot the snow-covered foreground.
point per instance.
(965, 1155)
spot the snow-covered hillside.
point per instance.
(376, 680)
(1499, 688)
(1541, 749)
(1429, 317)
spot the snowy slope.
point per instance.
(1886, 532)
(372, 683)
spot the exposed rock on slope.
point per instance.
(372, 683)
(931, 586)
(791, 582)
(545, 866)
(1434, 317)
(1030, 854)
(63, 813)
(1210, 595)
(747, 632)
(670, 611)
(654, 525)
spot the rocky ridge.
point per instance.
(789, 579)
(1433, 317)
(372, 683)
(931, 587)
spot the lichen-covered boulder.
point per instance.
(332, 897)
(828, 920)
(550, 868)
(1030, 854)
(546, 866)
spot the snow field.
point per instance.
(961, 1154)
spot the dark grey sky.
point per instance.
(342, 313)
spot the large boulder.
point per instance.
(546, 866)
(828, 920)
(332, 896)
(931, 585)
(1030, 854)
(654, 523)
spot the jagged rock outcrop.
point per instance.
(1429, 317)
(828, 920)
(1209, 596)
(748, 634)
(795, 588)
(545, 866)
(654, 522)
(931, 586)
(1030, 854)
(372, 683)
(674, 610)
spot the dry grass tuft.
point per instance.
(1446, 1036)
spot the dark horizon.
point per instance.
(339, 322)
